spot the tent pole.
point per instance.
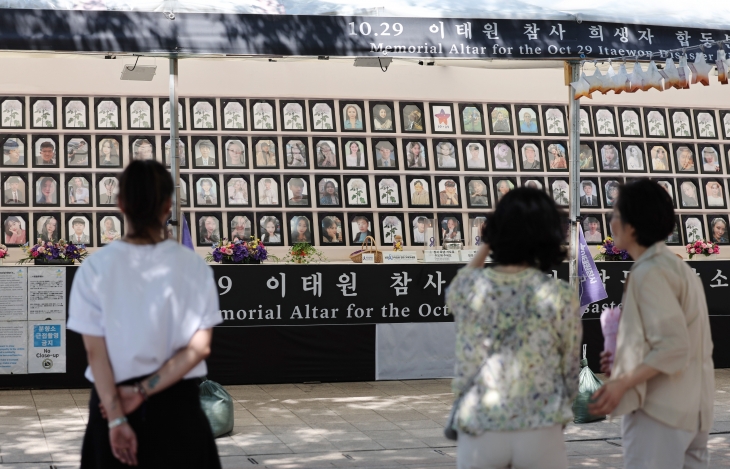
(174, 156)
(574, 175)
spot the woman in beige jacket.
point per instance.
(662, 378)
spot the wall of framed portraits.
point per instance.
(333, 169)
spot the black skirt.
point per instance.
(171, 428)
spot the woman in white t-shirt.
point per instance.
(145, 307)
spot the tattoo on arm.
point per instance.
(153, 381)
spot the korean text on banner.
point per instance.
(590, 285)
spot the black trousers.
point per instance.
(171, 428)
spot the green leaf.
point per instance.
(209, 125)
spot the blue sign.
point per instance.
(46, 335)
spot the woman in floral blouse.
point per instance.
(517, 340)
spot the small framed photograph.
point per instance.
(241, 226)
(475, 152)
(265, 149)
(14, 151)
(381, 113)
(235, 152)
(322, 113)
(75, 113)
(681, 123)
(45, 151)
(78, 190)
(203, 114)
(659, 155)
(451, 226)
(108, 113)
(449, 192)
(181, 145)
(710, 154)
(693, 228)
(472, 118)
(108, 153)
(15, 229)
(263, 114)
(107, 189)
(533, 183)
(610, 190)
(412, 117)
(416, 154)
(361, 226)
(331, 229)
(111, 227)
(705, 124)
(209, 228)
(140, 114)
(328, 191)
(446, 156)
(589, 195)
(357, 191)
(502, 185)
(725, 124)
(391, 228)
(267, 191)
(587, 157)
(605, 121)
(326, 154)
(557, 156)
(80, 228)
(270, 228)
(238, 192)
(610, 157)
(675, 239)
(560, 190)
(633, 157)
(586, 125)
(478, 188)
(656, 122)
(206, 190)
(689, 195)
(714, 193)
(388, 192)
(419, 223)
(593, 228)
(233, 114)
(295, 153)
(668, 185)
(142, 147)
(43, 113)
(685, 158)
(300, 228)
(46, 187)
(554, 120)
(15, 190)
(528, 118)
(500, 119)
(503, 155)
(165, 113)
(630, 119)
(419, 191)
(78, 151)
(385, 154)
(12, 112)
(293, 115)
(717, 225)
(297, 191)
(353, 117)
(205, 152)
(530, 159)
(48, 227)
(355, 151)
(442, 118)
(184, 190)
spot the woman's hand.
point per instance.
(124, 444)
(129, 399)
(607, 398)
(606, 362)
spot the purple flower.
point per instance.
(217, 256)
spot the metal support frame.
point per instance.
(174, 148)
(574, 175)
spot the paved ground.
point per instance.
(384, 424)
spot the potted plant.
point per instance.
(3, 253)
(304, 253)
(238, 252)
(60, 252)
(706, 248)
(609, 252)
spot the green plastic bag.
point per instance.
(588, 384)
(217, 405)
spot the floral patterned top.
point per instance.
(523, 330)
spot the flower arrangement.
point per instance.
(702, 247)
(238, 252)
(3, 251)
(304, 253)
(49, 252)
(609, 252)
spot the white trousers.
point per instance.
(541, 448)
(650, 444)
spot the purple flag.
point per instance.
(590, 285)
(187, 240)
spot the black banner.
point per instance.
(302, 35)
